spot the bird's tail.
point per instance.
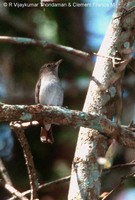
(46, 136)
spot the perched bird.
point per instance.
(48, 91)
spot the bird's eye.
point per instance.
(48, 65)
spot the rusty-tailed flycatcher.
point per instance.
(48, 91)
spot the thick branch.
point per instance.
(86, 172)
(64, 116)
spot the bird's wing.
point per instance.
(37, 89)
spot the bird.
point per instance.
(49, 91)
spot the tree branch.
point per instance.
(64, 116)
(122, 181)
(29, 160)
(13, 191)
(46, 45)
(46, 185)
(4, 173)
(58, 48)
(86, 172)
(7, 184)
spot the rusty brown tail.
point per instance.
(46, 136)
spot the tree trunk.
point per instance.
(103, 97)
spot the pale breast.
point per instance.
(51, 92)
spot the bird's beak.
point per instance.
(58, 62)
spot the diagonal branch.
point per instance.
(4, 173)
(45, 45)
(122, 181)
(86, 172)
(7, 183)
(15, 193)
(56, 47)
(29, 160)
(46, 186)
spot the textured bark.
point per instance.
(26, 115)
(29, 162)
(102, 98)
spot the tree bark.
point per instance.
(28, 115)
(103, 97)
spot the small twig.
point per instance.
(4, 173)
(125, 12)
(15, 193)
(8, 183)
(46, 185)
(122, 180)
(29, 160)
(131, 164)
(52, 183)
(67, 178)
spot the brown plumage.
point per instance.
(48, 91)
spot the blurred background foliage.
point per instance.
(19, 67)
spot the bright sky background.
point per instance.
(97, 18)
